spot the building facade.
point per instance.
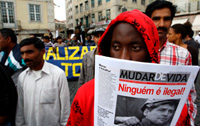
(27, 17)
(95, 13)
(188, 10)
(69, 13)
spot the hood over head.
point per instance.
(143, 24)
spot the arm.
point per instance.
(191, 106)
(192, 110)
(64, 99)
(81, 79)
(132, 120)
(76, 117)
(188, 60)
(20, 120)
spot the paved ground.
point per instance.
(72, 88)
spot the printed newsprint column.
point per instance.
(135, 93)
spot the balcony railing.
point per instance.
(15, 26)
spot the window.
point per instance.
(150, 1)
(124, 9)
(93, 18)
(100, 16)
(108, 14)
(92, 3)
(99, 2)
(134, 1)
(7, 12)
(143, 2)
(34, 11)
(76, 9)
(81, 20)
(86, 5)
(81, 7)
(107, 0)
(77, 22)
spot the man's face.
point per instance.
(162, 19)
(3, 43)
(59, 40)
(97, 37)
(160, 115)
(88, 38)
(172, 36)
(45, 40)
(32, 56)
(127, 43)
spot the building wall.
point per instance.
(35, 27)
(69, 14)
(9, 25)
(115, 6)
(184, 6)
(22, 10)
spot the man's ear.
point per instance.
(43, 51)
(179, 35)
(9, 39)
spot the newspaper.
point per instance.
(133, 93)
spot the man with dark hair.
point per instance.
(10, 53)
(162, 13)
(47, 42)
(42, 88)
(158, 112)
(89, 41)
(87, 71)
(130, 36)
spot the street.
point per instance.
(72, 88)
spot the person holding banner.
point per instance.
(130, 36)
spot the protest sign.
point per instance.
(132, 93)
(68, 58)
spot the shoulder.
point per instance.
(53, 69)
(87, 88)
(89, 54)
(86, 92)
(177, 48)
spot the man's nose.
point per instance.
(161, 23)
(24, 56)
(125, 54)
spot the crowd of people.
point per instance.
(36, 93)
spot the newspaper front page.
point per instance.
(136, 94)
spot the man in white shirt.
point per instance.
(42, 88)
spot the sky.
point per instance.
(59, 10)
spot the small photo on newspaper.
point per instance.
(130, 93)
(159, 111)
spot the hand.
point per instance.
(127, 120)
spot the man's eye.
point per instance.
(155, 18)
(135, 48)
(167, 18)
(116, 47)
